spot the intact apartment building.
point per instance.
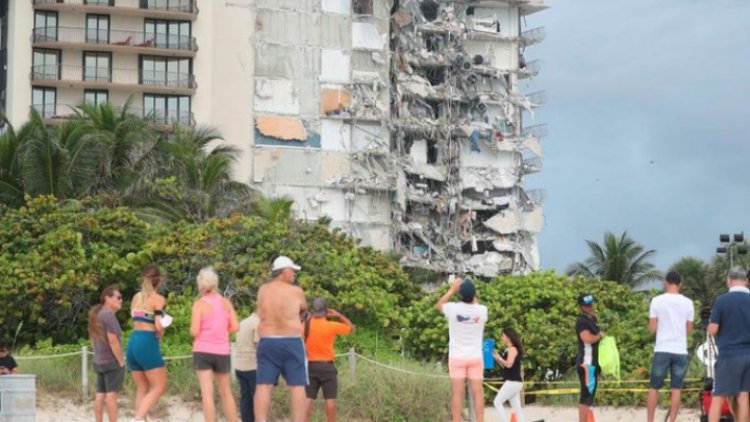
(403, 121)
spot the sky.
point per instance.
(649, 124)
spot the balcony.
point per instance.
(537, 131)
(106, 78)
(533, 36)
(114, 40)
(163, 120)
(168, 9)
(532, 165)
(529, 69)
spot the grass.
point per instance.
(367, 394)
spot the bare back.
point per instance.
(279, 308)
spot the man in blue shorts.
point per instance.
(281, 351)
(671, 318)
(730, 324)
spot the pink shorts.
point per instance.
(472, 369)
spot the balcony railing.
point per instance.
(113, 76)
(533, 36)
(114, 38)
(537, 131)
(532, 165)
(529, 69)
(537, 98)
(182, 6)
(54, 111)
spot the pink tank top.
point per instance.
(214, 333)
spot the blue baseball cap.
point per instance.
(586, 299)
(467, 290)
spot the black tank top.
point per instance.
(514, 372)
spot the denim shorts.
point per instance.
(732, 375)
(673, 363)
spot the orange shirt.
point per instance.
(321, 337)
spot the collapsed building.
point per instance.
(402, 122)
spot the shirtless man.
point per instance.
(281, 350)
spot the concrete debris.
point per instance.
(409, 125)
(281, 127)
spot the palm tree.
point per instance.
(276, 210)
(11, 169)
(697, 280)
(619, 259)
(194, 180)
(128, 144)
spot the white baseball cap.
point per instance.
(284, 262)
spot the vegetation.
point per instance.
(113, 154)
(620, 259)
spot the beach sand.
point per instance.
(174, 410)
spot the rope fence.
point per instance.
(492, 384)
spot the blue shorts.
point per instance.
(282, 356)
(732, 375)
(143, 352)
(673, 363)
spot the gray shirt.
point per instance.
(102, 352)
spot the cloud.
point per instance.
(648, 126)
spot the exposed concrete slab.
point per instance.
(276, 96)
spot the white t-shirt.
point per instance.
(673, 311)
(465, 329)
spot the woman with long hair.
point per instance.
(109, 363)
(213, 319)
(144, 352)
(513, 385)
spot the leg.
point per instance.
(674, 406)
(583, 412)
(714, 413)
(206, 381)
(299, 402)
(99, 407)
(227, 399)
(515, 403)
(499, 404)
(477, 393)
(651, 402)
(262, 401)
(309, 409)
(246, 380)
(111, 400)
(157, 380)
(330, 410)
(457, 398)
(141, 387)
(743, 407)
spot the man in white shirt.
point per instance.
(466, 321)
(671, 318)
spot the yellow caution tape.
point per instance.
(496, 381)
(562, 391)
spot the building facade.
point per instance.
(400, 121)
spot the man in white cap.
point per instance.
(281, 350)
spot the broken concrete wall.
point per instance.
(321, 104)
(458, 138)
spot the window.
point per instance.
(46, 64)
(97, 29)
(167, 34)
(97, 66)
(172, 5)
(45, 26)
(362, 7)
(100, 2)
(44, 100)
(166, 71)
(165, 109)
(95, 97)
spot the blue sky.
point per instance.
(649, 123)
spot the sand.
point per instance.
(174, 410)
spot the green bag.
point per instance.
(609, 357)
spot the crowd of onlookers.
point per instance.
(282, 337)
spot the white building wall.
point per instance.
(21, 19)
